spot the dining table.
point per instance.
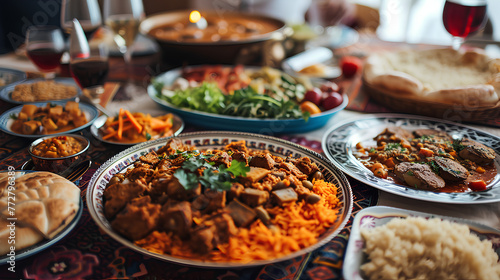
(87, 252)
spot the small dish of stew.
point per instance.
(57, 153)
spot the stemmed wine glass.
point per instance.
(87, 12)
(462, 18)
(124, 17)
(45, 46)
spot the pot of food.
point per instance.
(212, 37)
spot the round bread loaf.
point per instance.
(445, 76)
(45, 203)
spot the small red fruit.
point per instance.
(313, 95)
(350, 65)
(328, 87)
(332, 100)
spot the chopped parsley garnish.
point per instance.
(372, 150)
(13, 116)
(410, 173)
(217, 178)
(434, 166)
(392, 146)
(457, 145)
(148, 136)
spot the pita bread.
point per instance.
(442, 76)
(45, 203)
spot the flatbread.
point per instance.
(45, 203)
(444, 76)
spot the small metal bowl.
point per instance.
(59, 164)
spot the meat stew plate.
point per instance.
(207, 141)
(339, 144)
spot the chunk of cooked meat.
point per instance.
(118, 195)
(432, 134)
(140, 173)
(216, 200)
(263, 160)
(150, 158)
(305, 165)
(177, 191)
(221, 158)
(177, 218)
(254, 175)
(137, 219)
(202, 239)
(234, 192)
(254, 197)
(419, 176)
(476, 152)
(173, 145)
(289, 166)
(284, 196)
(396, 131)
(225, 227)
(242, 215)
(240, 156)
(451, 170)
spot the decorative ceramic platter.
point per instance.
(46, 243)
(340, 141)
(261, 126)
(177, 127)
(6, 120)
(380, 215)
(211, 140)
(5, 93)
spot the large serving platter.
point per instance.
(6, 118)
(6, 92)
(339, 142)
(177, 127)
(376, 216)
(46, 243)
(212, 140)
(261, 126)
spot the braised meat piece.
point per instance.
(305, 165)
(217, 200)
(177, 191)
(212, 232)
(397, 131)
(164, 166)
(254, 197)
(234, 192)
(288, 166)
(173, 145)
(240, 156)
(451, 170)
(221, 158)
(254, 175)
(284, 196)
(225, 227)
(262, 160)
(476, 152)
(202, 240)
(419, 176)
(137, 219)
(150, 158)
(177, 218)
(140, 173)
(200, 203)
(242, 215)
(118, 195)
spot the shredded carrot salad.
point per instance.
(299, 226)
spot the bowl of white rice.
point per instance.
(391, 243)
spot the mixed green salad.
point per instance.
(270, 94)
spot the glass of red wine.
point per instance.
(462, 18)
(88, 65)
(45, 46)
(87, 12)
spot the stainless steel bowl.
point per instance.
(59, 164)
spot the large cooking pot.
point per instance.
(247, 50)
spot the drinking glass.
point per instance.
(124, 17)
(87, 12)
(88, 63)
(44, 47)
(462, 18)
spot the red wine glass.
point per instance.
(462, 18)
(87, 12)
(45, 46)
(88, 64)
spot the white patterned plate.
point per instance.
(212, 140)
(380, 215)
(340, 141)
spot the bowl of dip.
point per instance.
(57, 153)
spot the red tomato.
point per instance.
(350, 65)
(477, 185)
(313, 95)
(332, 100)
